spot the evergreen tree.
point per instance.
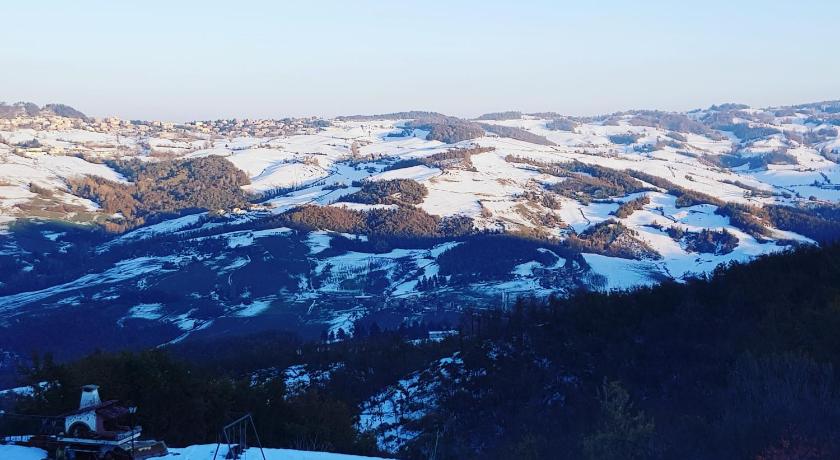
(623, 433)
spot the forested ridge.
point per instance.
(736, 365)
(164, 188)
(739, 365)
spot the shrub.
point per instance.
(586, 182)
(456, 157)
(410, 115)
(729, 106)
(395, 191)
(747, 133)
(334, 218)
(407, 163)
(706, 241)
(744, 218)
(30, 144)
(509, 115)
(65, 111)
(402, 222)
(562, 124)
(492, 256)
(758, 161)
(627, 208)
(685, 197)
(516, 133)
(548, 200)
(612, 238)
(448, 130)
(37, 189)
(668, 121)
(18, 109)
(820, 223)
(624, 139)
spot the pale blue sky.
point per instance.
(181, 60)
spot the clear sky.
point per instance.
(183, 60)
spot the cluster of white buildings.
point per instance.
(226, 128)
(255, 128)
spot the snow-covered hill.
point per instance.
(605, 202)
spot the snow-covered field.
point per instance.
(494, 184)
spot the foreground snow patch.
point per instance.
(200, 452)
(21, 453)
(205, 452)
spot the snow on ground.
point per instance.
(197, 452)
(254, 308)
(10, 197)
(299, 378)
(165, 227)
(247, 238)
(363, 206)
(19, 391)
(10, 452)
(183, 321)
(326, 191)
(285, 174)
(404, 267)
(122, 270)
(342, 320)
(387, 411)
(51, 170)
(147, 311)
(318, 241)
(819, 180)
(238, 262)
(616, 273)
(411, 398)
(462, 192)
(580, 216)
(418, 173)
(424, 265)
(676, 262)
(296, 378)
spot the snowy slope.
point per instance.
(203, 274)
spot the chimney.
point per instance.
(90, 396)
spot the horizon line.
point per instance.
(386, 113)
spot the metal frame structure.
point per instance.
(235, 436)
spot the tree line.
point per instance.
(737, 365)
